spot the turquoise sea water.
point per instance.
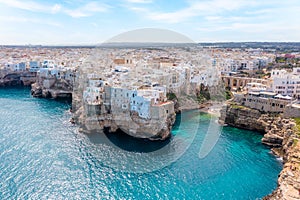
(42, 156)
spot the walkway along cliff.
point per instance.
(281, 134)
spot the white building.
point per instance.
(48, 64)
(34, 66)
(141, 105)
(255, 87)
(286, 83)
(93, 95)
(20, 67)
(9, 66)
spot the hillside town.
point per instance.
(144, 82)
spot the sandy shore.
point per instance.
(212, 108)
(215, 108)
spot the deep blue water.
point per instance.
(42, 156)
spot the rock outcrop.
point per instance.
(281, 134)
(16, 78)
(286, 137)
(56, 90)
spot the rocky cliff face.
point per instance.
(246, 118)
(280, 134)
(59, 89)
(91, 119)
(16, 79)
(286, 135)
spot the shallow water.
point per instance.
(43, 156)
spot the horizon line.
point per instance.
(115, 43)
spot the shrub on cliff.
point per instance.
(297, 120)
(171, 96)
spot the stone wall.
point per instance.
(292, 111)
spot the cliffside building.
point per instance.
(286, 82)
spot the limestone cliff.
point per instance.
(284, 130)
(246, 118)
(96, 118)
(280, 134)
(57, 89)
(16, 78)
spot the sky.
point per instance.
(84, 22)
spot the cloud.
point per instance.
(206, 8)
(56, 8)
(139, 1)
(31, 6)
(194, 9)
(85, 10)
(94, 24)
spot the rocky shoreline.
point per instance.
(281, 134)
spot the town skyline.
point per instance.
(90, 22)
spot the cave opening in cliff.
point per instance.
(132, 144)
